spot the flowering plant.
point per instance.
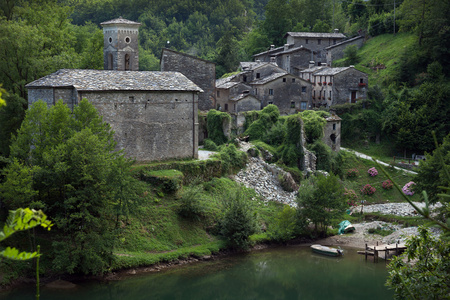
(368, 190)
(372, 172)
(352, 173)
(407, 188)
(387, 184)
(324, 83)
(351, 197)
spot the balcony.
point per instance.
(361, 84)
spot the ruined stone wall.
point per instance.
(332, 134)
(151, 125)
(337, 52)
(247, 104)
(52, 95)
(199, 71)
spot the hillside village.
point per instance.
(154, 114)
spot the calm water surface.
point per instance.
(281, 273)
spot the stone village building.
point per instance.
(154, 114)
(332, 86)
(199, 71)
(260, 84)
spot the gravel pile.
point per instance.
(263, 178)
(398, 209)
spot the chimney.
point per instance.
(311, 64)
(272, 47)
(273, 60)
(258, 61)
(336, 30)
(286, 47)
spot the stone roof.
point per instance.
(344, 42)
(269, 78)
(186, 55)
(250, 65)
(224, 81)
(242, 96)
(313, 69)
(316, 35)
(274, 50)
(119, 20)
(227, 85)
(110, 80)
(331, 71)
(293, 50)
(333, 117)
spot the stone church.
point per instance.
(154, 114)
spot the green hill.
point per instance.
(380, 56)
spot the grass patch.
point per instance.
(384, 151)
(381, 195)
(383, 51)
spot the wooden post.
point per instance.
(365, 254)
(375, 254)
(386, 255)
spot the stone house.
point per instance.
(267, 83)
(290, 58)
(315, 41)
(332, 86)
(201, 72)
(336, 51)
(154, 114)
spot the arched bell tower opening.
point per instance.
(120, 50)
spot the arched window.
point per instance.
(110, 61)
(127, 62)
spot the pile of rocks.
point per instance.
(263, 178)
(397, 209)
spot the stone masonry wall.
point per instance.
(337, 52)
(199, 71)
(151, 125)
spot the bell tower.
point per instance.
(120, 40)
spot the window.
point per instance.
(244, 78)
(226, 107)
(303, 105)
(303, 89)
(334, 126)
(258, 75)
(127, 62)
(292, 104)
(256, 91)
(131, 98)
(270, 91)
(293, 79)
(270, 102)
(127, 40)
(330, 94)
(284, 79)
(218, 94)
(334, 42)
(361, 80)
(319, 41)
(314, 93)
(306, 41)
(110, 40)
(110, 61)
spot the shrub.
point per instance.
(192, 206)
(215, 121)
(387, 184)
(408, 188)
(372, 172)
(239, 220)
(351, 197)
(368, 190)
(352, 173)
(284, 225)
(210, 145)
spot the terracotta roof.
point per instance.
(316, 35)
(109, 80)
(119, 20)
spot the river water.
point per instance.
(279, 273)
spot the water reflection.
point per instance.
(282, 273)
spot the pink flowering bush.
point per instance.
(368, 190)
(351, 197)
(408, 188)
(387, 184)
(352, 173)
(372, 172)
